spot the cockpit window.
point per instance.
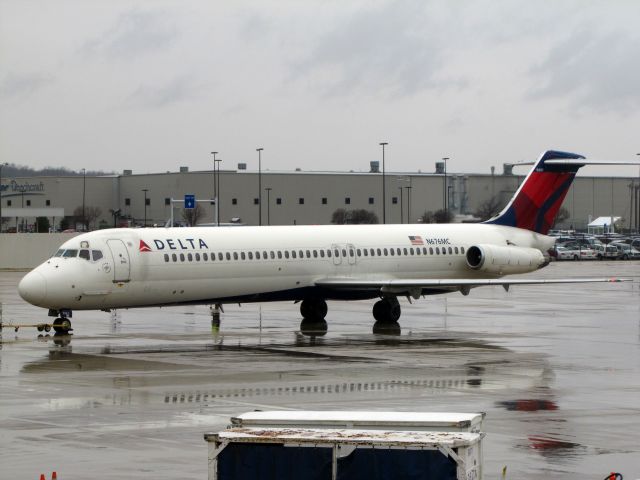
(59, 253)
(70, 253)
(97, 255)
(85, 254)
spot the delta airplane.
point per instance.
(127, 268)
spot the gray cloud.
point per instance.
(19, 86)
(157, 96)
(597, 70)
(394, 47)
(134, 33)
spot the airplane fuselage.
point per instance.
(123, 268)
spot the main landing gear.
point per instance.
(386, 312)
(62, 324)
(313, 311)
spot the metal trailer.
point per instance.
(420, 421)
(341, 454)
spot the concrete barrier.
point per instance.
(24, 251)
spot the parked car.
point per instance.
(607, 252)
(566, 253)
(626, 251)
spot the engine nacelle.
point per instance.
(504, 260)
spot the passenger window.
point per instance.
(444, 250)
(235, 255)
(351, 252)
(182, 257)
(379, 252)
(385, 251)
(321, 253)
(286, 254)
(308, 253)
(59, 253)
(174, 257)
(190, 257)
(359, 252)
(70, 253)
(279, 254)
(197, 257)
(97, 255)
(250, 255)
(228, 255)
(293, 254)
(220, 256)
(205, 256)
(166, 257)
(450, 250)
(85, 254)
(437, 250)
(461, 249)
(328, 253)
(430, 251)
(301, 254)
(417, 251)
(336, 252)
(315, 254)
(365, 252)
(344, 253)
(391, 252)
(243, 256)
(264, 255)
(257, 255)
(406, 252)
(273, 255)
(398, 251)
(456, 250)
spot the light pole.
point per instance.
(145, 190)
(215, 189)
(401, 209)
(268, 189)
(444, 189)
(384, 190)
(259, 150)
(84, 184)
(219, 192)
(1, 165)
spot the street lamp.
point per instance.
(84, 183)
(145, 190)
(384, 190)
(215, 188)
(445, 202)
(268, 189)
(409, 203)
(401, 209)
(1, 165)
(259, 150)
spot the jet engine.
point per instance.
(504, 260)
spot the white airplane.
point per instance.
(126, 268)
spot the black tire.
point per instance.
(62, 325)
(313, 309)
(387, 310)
(575, 258)
(47, 328)
(40, 327)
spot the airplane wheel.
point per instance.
(47, 328)
(313, 309)
(62, 325)
(387, 310)
(40, 328)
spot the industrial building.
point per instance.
(294, 197)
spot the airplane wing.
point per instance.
(418, 287)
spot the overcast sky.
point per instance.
(153, 85)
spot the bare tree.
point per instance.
(426, 217)
(193, 215)
(358, 216)
(562, 216)
(442, 216)
(91, 214)
(488, 208)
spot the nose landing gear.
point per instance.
(62, 325)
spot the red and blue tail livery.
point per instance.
(537, 201)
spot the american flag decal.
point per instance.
(416, 240)
(144, 247)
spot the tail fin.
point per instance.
(537, 201)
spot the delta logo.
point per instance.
(174, 244)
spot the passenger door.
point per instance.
(121, 263)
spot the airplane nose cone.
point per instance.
(33, 288)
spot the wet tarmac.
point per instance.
(129, 395)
